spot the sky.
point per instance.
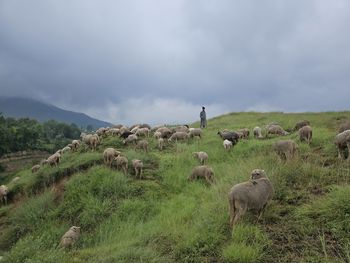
(156, 61)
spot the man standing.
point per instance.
(203, 117)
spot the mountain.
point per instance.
(23, 107)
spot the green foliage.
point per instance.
(166, 218)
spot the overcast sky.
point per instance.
(159, 61)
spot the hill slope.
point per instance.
(22, 107)
(165, 218)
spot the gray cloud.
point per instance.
(122, 60)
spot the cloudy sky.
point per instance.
(159, 61)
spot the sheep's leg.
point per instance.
(340, 154)
(240, 213)
(232, 212)
(5, 199)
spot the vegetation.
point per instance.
(165, 218)
(29, 134)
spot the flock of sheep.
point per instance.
(253, 194)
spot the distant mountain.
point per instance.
(23, 107)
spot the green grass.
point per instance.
(165, 218)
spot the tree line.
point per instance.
(29, 134)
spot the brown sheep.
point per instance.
(138, 165)
(143, 132)
(275, 129)
(245, 133)
(178, 136)
(301, 124)
(286, 149)
(54, 159)
(75, 145)
(142, 144)
(195, 132)
(257, 133)
(250, 195)
(202, 171)
(165, 132)
(108, 155)
(305, 134)
(122, 163)
(132, 138)
(70, 237)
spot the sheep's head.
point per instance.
(75, 229)
(257, 174)
(4, 190)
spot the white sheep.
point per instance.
(35, 168)
(178, 136)
(342, 141)
(3, 194)
(142, 144)
(54, 159)
(160, 143)
(109, 154)
(257, 132)
(201, 156)
(131, 138)
(122, 162)
(143, 132)
(202, 171)
(70, 237)
(138, 165)
(227, 144)
(195, 132)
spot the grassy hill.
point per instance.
(165, 218)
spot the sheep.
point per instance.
(94, 141)
(275, 129)
(245, 133)
(229, 135)
(285, 149)
(201, 156)
(202, 171)
(344, 126)
(145, 125)
(66, 149)
(75, 145)
(124, 129)
(193, 132)
(183, 128)
(35, 168)
(257, 132)
(178, 136)
(143, 144)
(134, 129)
(305, 133)
(143, 132)
(250, 195)
(3, 194)
(108, 155)
(227, 144)
(70, 237)
(125, 134)
(54, 159)
(166, 132)
(301, 124)
(157, 135)
(113, 131)
(102, 132)
(160, 143)
(342, 141)
(131, 138)
(122, 162)
(138, 165)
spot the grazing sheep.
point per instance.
(202, 171)
(66, 149)
(122, 162)
(113, 131)
(183, 128)
(157, 135)
(138, 165)
(285, 149)
(134, 128)
(102, 132)
(124, 129)
(227, 144)
(342, 141)
(275, 129)
(94, 141)
(54, 159)
(70, 237)
(229, 135)
(3, 194)
(178, 136)
(160, 143)
(166, 132)
(305, 133)
(131, 138)
(193, 132)
(142, 144)
(143, 132)
(145, 125)
(75, 145)
(301, 124)
(201, 156)
(35, 168)
(257, 132)
(245, 133)
(250, 195)
(108, 155)
(125, 134)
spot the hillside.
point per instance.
(166, 218)
(23, 107)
